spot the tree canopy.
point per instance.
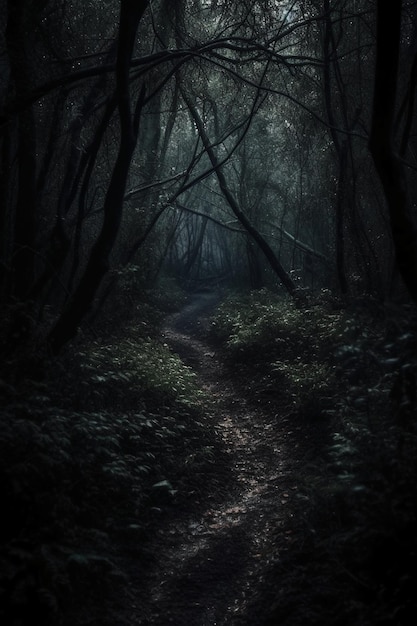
(257, 143)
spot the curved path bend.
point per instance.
(210, 563)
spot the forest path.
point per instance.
(210, 561)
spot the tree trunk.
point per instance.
(340, 148)
(131, 12)
(23, 259)
(388, 166)
(252, 231)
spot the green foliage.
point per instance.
(168, 295)
(278, 324)
(360, 513)
(89, 455)
(290, 344)
(115, 370)
(306, 354)
(354, 557)
(70, 478)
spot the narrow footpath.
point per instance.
(210, 563)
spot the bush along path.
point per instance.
(211, 558)
(312, 515)
(252, 463)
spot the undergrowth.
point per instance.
(93, 452)
(98, 446)
(111, 372)
(346, 378)
(286, 346)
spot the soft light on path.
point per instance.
(209, 565)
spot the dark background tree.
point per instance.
(97, 144)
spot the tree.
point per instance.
(256, 236)
(387, 162)
(131, 13)
(259, 110)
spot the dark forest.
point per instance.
(208, 279)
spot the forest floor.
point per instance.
(210, 556)
(239, 461)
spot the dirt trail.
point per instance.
(211, 562)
